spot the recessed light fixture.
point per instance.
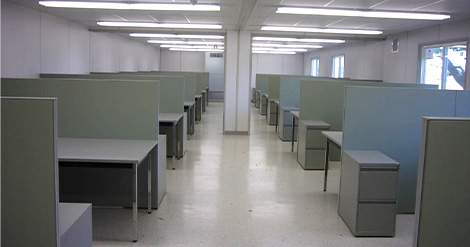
(130, 6)
(278, 50)
(192, 47)
(320, 30)
(210, 50)
(275, 52)
(182, 36)
(185, 42)
(287, 46)
(362, 13)
(160, 25)
(282, 39)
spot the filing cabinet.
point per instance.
(263, 104)
(285, 123)
(368, 192)
(272, 108)
(257, 98)
(311, 145)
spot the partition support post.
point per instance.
(277, 116)
(327, 152)
(134, 195)
(149, 184)
(293, 132)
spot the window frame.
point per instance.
(341, 71)
(444, 44)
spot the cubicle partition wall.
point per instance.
(273, 92)
(323, 99)
(261, 81)
(289, 95)
(442, 213)
(29, 172)
(100, 109)
(389, 120)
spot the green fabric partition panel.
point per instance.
(389, 120)
(289, 94)
(190, 88)
(29, 172)
(463, 104)
(261, 80)
(274, 87)
(171, 94)
(442, 203)
(108, 109)
(22, 87)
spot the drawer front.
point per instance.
(315, 159)
(378, 185)
(315, 139)
(376, 220)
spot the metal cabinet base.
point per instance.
(367, 194)
(311, 145)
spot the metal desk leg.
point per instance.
(277, 116)
(134, 195)
(149, 184)
(327, 152)
(293, 131)
(174, 141)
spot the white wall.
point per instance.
(363, 60)
(35, 42)
(276, 64)
(374, 59)
(182, 61)
(215, 67)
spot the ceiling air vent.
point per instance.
(216, 55)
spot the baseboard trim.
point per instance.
(236, 133)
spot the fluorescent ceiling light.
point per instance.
(320, 30)
(192, 47)
(153, 24)
(287, 46)
(282, 39)
(130, 6)
(211, 50)
(182, 36)
(273, 52)
(185, 42)
(362, 13)
(279, 50)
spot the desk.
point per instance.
(295, 115)
(173, 119)
(116, 153)
(335, 138)
(277, 112)
(189, 109)
(198, 99)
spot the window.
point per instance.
(315, 67)
(444, 65)
(337, 69)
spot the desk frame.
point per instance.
(327, 154)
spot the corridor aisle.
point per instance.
(237, 190)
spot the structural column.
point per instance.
(237, 82)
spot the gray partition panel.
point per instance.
(189, 88)
(443, 198)
(261, 80)
(171, 95)
(274, 87)
(463, 104)
(21, 87)
(29, 172)
(289, 95)
(389, 120)
(108, 109)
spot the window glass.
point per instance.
(337, 70)
(444, 65)
(315, 67)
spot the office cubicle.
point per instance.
(100, 109)
(389, 120)
(274, 94)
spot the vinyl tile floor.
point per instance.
(238, 190)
